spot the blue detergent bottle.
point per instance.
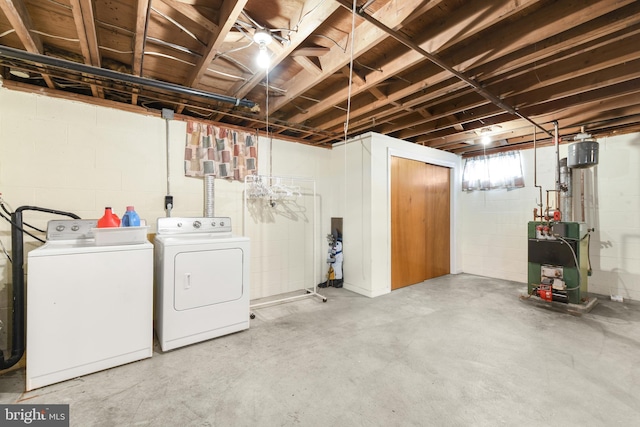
(130, 218)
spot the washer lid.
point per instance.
(82, 246)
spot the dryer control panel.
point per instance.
(177, 225)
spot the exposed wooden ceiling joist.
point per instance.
(17, 14)
(574, 62)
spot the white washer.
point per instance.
(202, 280)
(89, 307)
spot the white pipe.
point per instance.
(535, 173)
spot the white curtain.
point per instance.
(502, 170)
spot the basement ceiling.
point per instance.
(439, 73)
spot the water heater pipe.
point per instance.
(556, 139)
(535, 173)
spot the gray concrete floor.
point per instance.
(454, 351)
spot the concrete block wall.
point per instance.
(494, 225)
(78, 157)
(615, 247)
(282, 236)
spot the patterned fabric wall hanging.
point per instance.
(219, 151)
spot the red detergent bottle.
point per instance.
(109, 219)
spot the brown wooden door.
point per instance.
(420, 227)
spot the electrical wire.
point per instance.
(6, 33)
(575, 259)
(163, 55)
(115, 27)
(343, 49)
(588, 237)
(346, 123)
(110, 49)
(234, 61)
(42, 33)
(379, 70)
(177, 47)
(4, 250)
(353, 30)
(253, 21)
(177, 24)
(309, 12)
(8, 212)
(66, 6)
(231, 76)
(236, 49)
(13, 224)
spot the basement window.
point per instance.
(501, 170)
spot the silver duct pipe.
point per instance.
(167, 115)
(209, 193)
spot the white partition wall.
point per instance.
(361, 194)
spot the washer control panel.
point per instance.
(71, 229)
(219, 224)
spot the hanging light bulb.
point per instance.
(263, 38)
(263, 60)
(486, 139)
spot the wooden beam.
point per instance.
(308, 64)
(193, 14)
(589, 110)
(310, 51)
(573, 89)
(83, 17)
(318, 13)
(18, 16)
(366, 37)
(355, 77)
(377, 93)
(469, 21)
(569, 78)
(229, 12)
(139, 42)
(534, 55)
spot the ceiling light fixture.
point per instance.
(20, 73)
(486, 139)
(263, 38)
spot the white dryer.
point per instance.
(202, 280)
(89, 307)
